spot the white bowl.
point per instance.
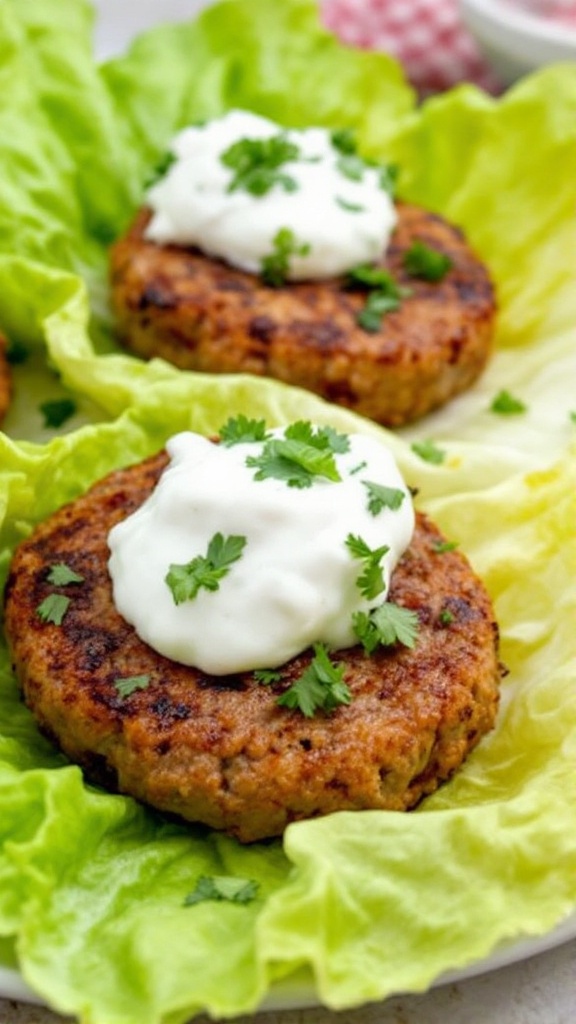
(514, 40)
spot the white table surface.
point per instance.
(537, 990)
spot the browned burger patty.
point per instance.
(202, 314)
(221, 750)
(5, 379)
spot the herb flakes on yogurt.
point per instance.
(239, 185)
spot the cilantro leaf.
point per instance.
(130, 684)
(61, 575)
(53, 608)
(351, 166)
(160, 170)
(428, 451)
(318, 437)
(58, 411)
(275, 267)
(299, 456)
(222, 887)
(256, 163)
(371, 581)
(241, 430)
(320, 687)
(386, 625)
(389, 178)
(446, 617)
(506, 405)
(205, 570)
(426, 263)
(380, 496)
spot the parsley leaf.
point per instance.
(56, 412)
(380, 496)
(267, 676)
(130, 684)
(222, 887)
(302, 454)
(321, 686)
(506, 405)
(205, 570)
(389, 178)
(385, 295)
(344, 140)
(241, 430)
(371, 580)
(426, 263)
(16, 352)
(386, 625)
(429, 452)
(274, 268)
(345, 204)
(61, 574)
(439, 547)
(53, 608)
(351, 166)
(445, 617)
(256, 164)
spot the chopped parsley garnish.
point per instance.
(53, 608)
(241, 430)
(130, 684)
(428, 451)
(371, 581)
(389, 178)
(351, 166)
(301, 455)
(439, 547)
(267, 676)
(347, 205)
(222, 887)
(205, 570)
(386, 625)
(61, 575)
(320, 687)
(344, 140)
(506, 404)
(256, 164)
(275, 267)
(426, 263)
(380, 496)
(16, 352)
(385, 295)
(58, 411)
(161, 169)
(445, 617)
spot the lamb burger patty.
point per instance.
(202, 314)
(220, 750)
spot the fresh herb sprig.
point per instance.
(257, 164)
(384, 626)
(301, 455)
(222, 887)
(275, 267)
(242, 430)
(320, 687)
(380, 496)
(384, 295)
(204, 571)
(371, 581)
(428, 264)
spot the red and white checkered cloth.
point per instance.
(426, 36)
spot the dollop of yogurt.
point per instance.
(332, 202)
(295, 581)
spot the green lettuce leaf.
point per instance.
(92, 886)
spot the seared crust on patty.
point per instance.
(221, 750)
(202, 314)
(5, 379)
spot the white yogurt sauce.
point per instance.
(343, 222)
(295, 582)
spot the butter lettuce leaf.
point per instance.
(356, 906)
